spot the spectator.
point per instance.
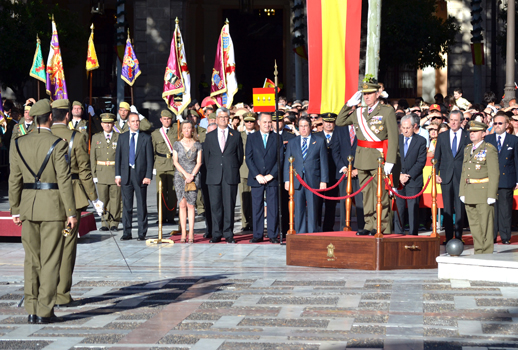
(433, 129)
(442, 128)
(460, 101)
(418, 130)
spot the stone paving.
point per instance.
(226, 297)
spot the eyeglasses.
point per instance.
(498, 123)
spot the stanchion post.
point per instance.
(291, 192)
(349, 190)
(160, 239)
(434, 200)
(379, 193)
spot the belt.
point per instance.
(40, 186)
(477, 181)
(75, 176)
(108, 162)
(375, 144)
(169, 155)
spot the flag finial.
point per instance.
(226, 21)
(52, 17)
(92, 27)
(176, 20)
(275, 72)
(128, 34)
(38, 39)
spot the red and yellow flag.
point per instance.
(91, 57)
(334, 28)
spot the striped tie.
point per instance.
(499, 144)
(304, 147)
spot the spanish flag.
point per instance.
(334, 28)
(91, 57)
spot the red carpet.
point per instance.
(198, 238)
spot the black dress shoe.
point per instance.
(103, 228)
(215, 240)
(43, 320)
(231, 241)
(506, 242)
(207, 235)
(73, 303)
(256, 240)
(141, 238)
(274, 240)
(373, 232)
(31, 319)
(362, 233)
(247, 228)
(125, 238)
(113, 228)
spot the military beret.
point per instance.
(329, 117)
(166, 113)
(107, 118)
(212, 115)
(370, 87)
(40, 108)
(77, 103)
(124, 105)
(61, 104)
(249, 116)
(476, 126)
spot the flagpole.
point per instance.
(131, 88)
(90, 116)
(38, 83)
(275, 73)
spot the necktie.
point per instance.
(499, 143)
(264, 140)
(454, 145)
(123, 124)
(222, 143)
(27, 126)
(406, 145)
(304, 147)
(75, 125)
(166, 130)
(132, 150)
(352, 133)
(328, 138)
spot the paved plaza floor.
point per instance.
(226, 297)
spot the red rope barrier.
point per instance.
(305, 185)
(166, 203)
(334, 186)
(407, 197)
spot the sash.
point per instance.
(71, 126)
(166, 139)
(116, 129)
(22, 129)
(364, 127)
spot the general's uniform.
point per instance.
(102, 159)
(378, 123)
(245, 191)
(43, 206)
(479, 181)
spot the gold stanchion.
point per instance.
(434, 200)
(160, 239)
(379, 193)
(349, 189)
(291, 204)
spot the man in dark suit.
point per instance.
(205, 188)
(449, 154)
(412, 148)
(263, 176)
(133, 172)
(344, 145)
(310, 162)
(223, 155)
(507, 147)
(330, 139)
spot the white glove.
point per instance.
(463, 198)
(98, 206)
(154, 171)
(96, 180)
(355, 100)
(133, 109)
(384, 94)
(388, 168)
(343, 170)
(91, 111)
(491, 201)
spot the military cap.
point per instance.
(61, 104)
(476, 126)
(40, 108)
(249, 116)
(370, 87)
(166, 113)
(77, 103)
(108, 118)
(194, 113)
(240, 111)
(212, 115)
(278, 116)
(27, 108)
(124, 105)
(329, 117)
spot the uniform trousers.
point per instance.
(169, 194)
(68, 262)
(480, 217)
(43, 245)
(245, 193)
(110, 195)
(370, 200)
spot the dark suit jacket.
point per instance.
(223, 166)
(314, 166)
(333, 178)
(414, 161)
(143, 157)
(507, 160)
(342, 148)
(262, 160)
(447, 165)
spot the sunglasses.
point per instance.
(249, 121)
(319, 124)
(436, 118)
(314, 117)
(498, 123)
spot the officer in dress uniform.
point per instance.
(78, 123)
(122, 125)
(479, 186)
(84, 190)
(163, 140)
(377, 136)
(41, 200)
(25, 125)
(245, 191)
(102, 159)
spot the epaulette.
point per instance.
(490, 145)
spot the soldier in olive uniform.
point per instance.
(245, 191)
(78, 123)
(41, 200)
(102, 160)
(163, 140)
(25, 125)
(377, 135)
(84, 190)
(479, 186)
(122, 125)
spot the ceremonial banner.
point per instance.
(334, 53)
(130, 64)
(38, 67)
(223, 81)
(56, 85)
(177, 79)
(91, 57)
